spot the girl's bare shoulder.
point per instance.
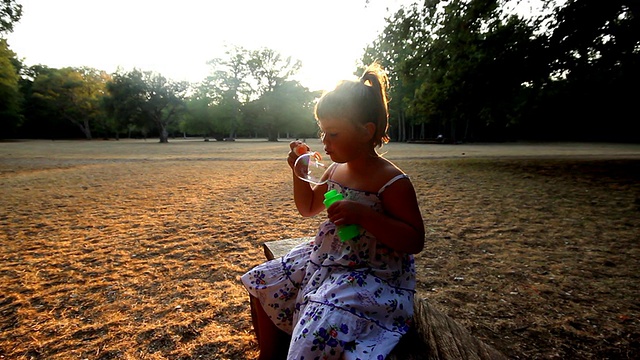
(384, 172)
(377, 174)
(389, 169)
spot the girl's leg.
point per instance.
(273, 342)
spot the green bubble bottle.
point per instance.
(345, 232)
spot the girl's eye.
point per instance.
(330, 135)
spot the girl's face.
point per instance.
(343, 141)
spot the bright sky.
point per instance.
(176, 38)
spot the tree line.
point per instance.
(474, 70)
(460, 70)
(249, 94)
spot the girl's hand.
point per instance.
(293, 154)
(345, 212)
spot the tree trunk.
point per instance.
(87, 130)
(402, 135)
(164, 134)
(466, 131)
(453, 131)
(272, 135)
(84, 126)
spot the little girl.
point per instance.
(330, 299)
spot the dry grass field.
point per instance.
(133, 249)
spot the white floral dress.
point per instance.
(339, 300)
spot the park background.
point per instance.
(460, 70)
(130, 245)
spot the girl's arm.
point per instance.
(308, 198)
(399, 227)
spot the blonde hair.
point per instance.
(360, 102)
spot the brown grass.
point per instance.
(133, 249)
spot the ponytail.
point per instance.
(375, 78)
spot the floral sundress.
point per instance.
(339, 300)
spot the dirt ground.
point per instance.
(133, 249)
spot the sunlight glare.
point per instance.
(178, 40)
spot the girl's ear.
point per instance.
(370, 130)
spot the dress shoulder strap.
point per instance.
(332, 169)
(395, 178)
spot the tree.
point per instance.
(164, 102)
(269, 69)
(227, 114)
(398, 49)
(10, 96)
(10, 13)
(72, 94)
(476, 65)
(247, 87)
(39, 120)
(122, 104)
(459, 67)
(208, 118)
(270, 73)
(147, 98)
(475, 70)
(230, 76)
(227, 87)
(198, 118)
(288, 107)
(595, 58)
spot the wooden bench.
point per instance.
(434, 336)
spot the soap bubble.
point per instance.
(310, 168)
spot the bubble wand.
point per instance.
(308, 167)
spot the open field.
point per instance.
(133, 249)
